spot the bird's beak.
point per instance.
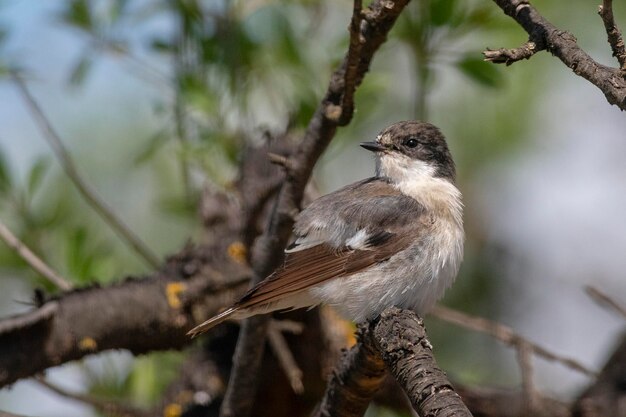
(373, 146)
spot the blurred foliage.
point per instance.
(140, 385)
(431, 29)
(225, 71)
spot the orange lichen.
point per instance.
(173, 291)
(237, 251)
(87, 343)
(172, 410)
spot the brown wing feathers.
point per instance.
(380, 207)
(309, 267)
(300, 270)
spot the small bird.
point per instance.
(395, 239)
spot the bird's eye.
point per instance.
(411, 143)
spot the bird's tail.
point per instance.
(290, 302)
(214, 321)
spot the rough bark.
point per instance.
(562, 44)
(355, 382)
(396, 340)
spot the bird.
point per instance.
(394, 239)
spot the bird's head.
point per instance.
(412, 150)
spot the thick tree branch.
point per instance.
(545, 36)
(378, 19)
(401, 338)
(397, 339)
(356, 380)
(139, 315)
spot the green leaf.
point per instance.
(483, 73)
(78, 13)
(162, 45)
(84, 254)
(480, 16)
(152, 146)
(441, 11)
(5, 174)
(36, 174)
(75, 251)
(178, 207)
(80, 70)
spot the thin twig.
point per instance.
(7, 414)
(525, 360)
(90, 196)
(107, 407)
(281, 160)
(149, 72)
(509, 56)
(352, 64)
(605, 300)
(605, 10)
(33, 260)
(287, 326)
(182, 133)
(24, 321)
(506, 335)
(285, 358)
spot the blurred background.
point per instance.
(155, 100)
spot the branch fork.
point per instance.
(545, 36)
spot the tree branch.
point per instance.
(139, 315)
(505, 335)
(606, 397)
(509, 56)
(562, 44)
(614, 35)
(401, 338)
(604, 300)
(7, 414)
(378, 20)
(351, 387)
(396, 339)
(285, 358)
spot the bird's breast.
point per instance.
(414, 278)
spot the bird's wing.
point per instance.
(339, 235)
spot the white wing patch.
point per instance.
(359, 240)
